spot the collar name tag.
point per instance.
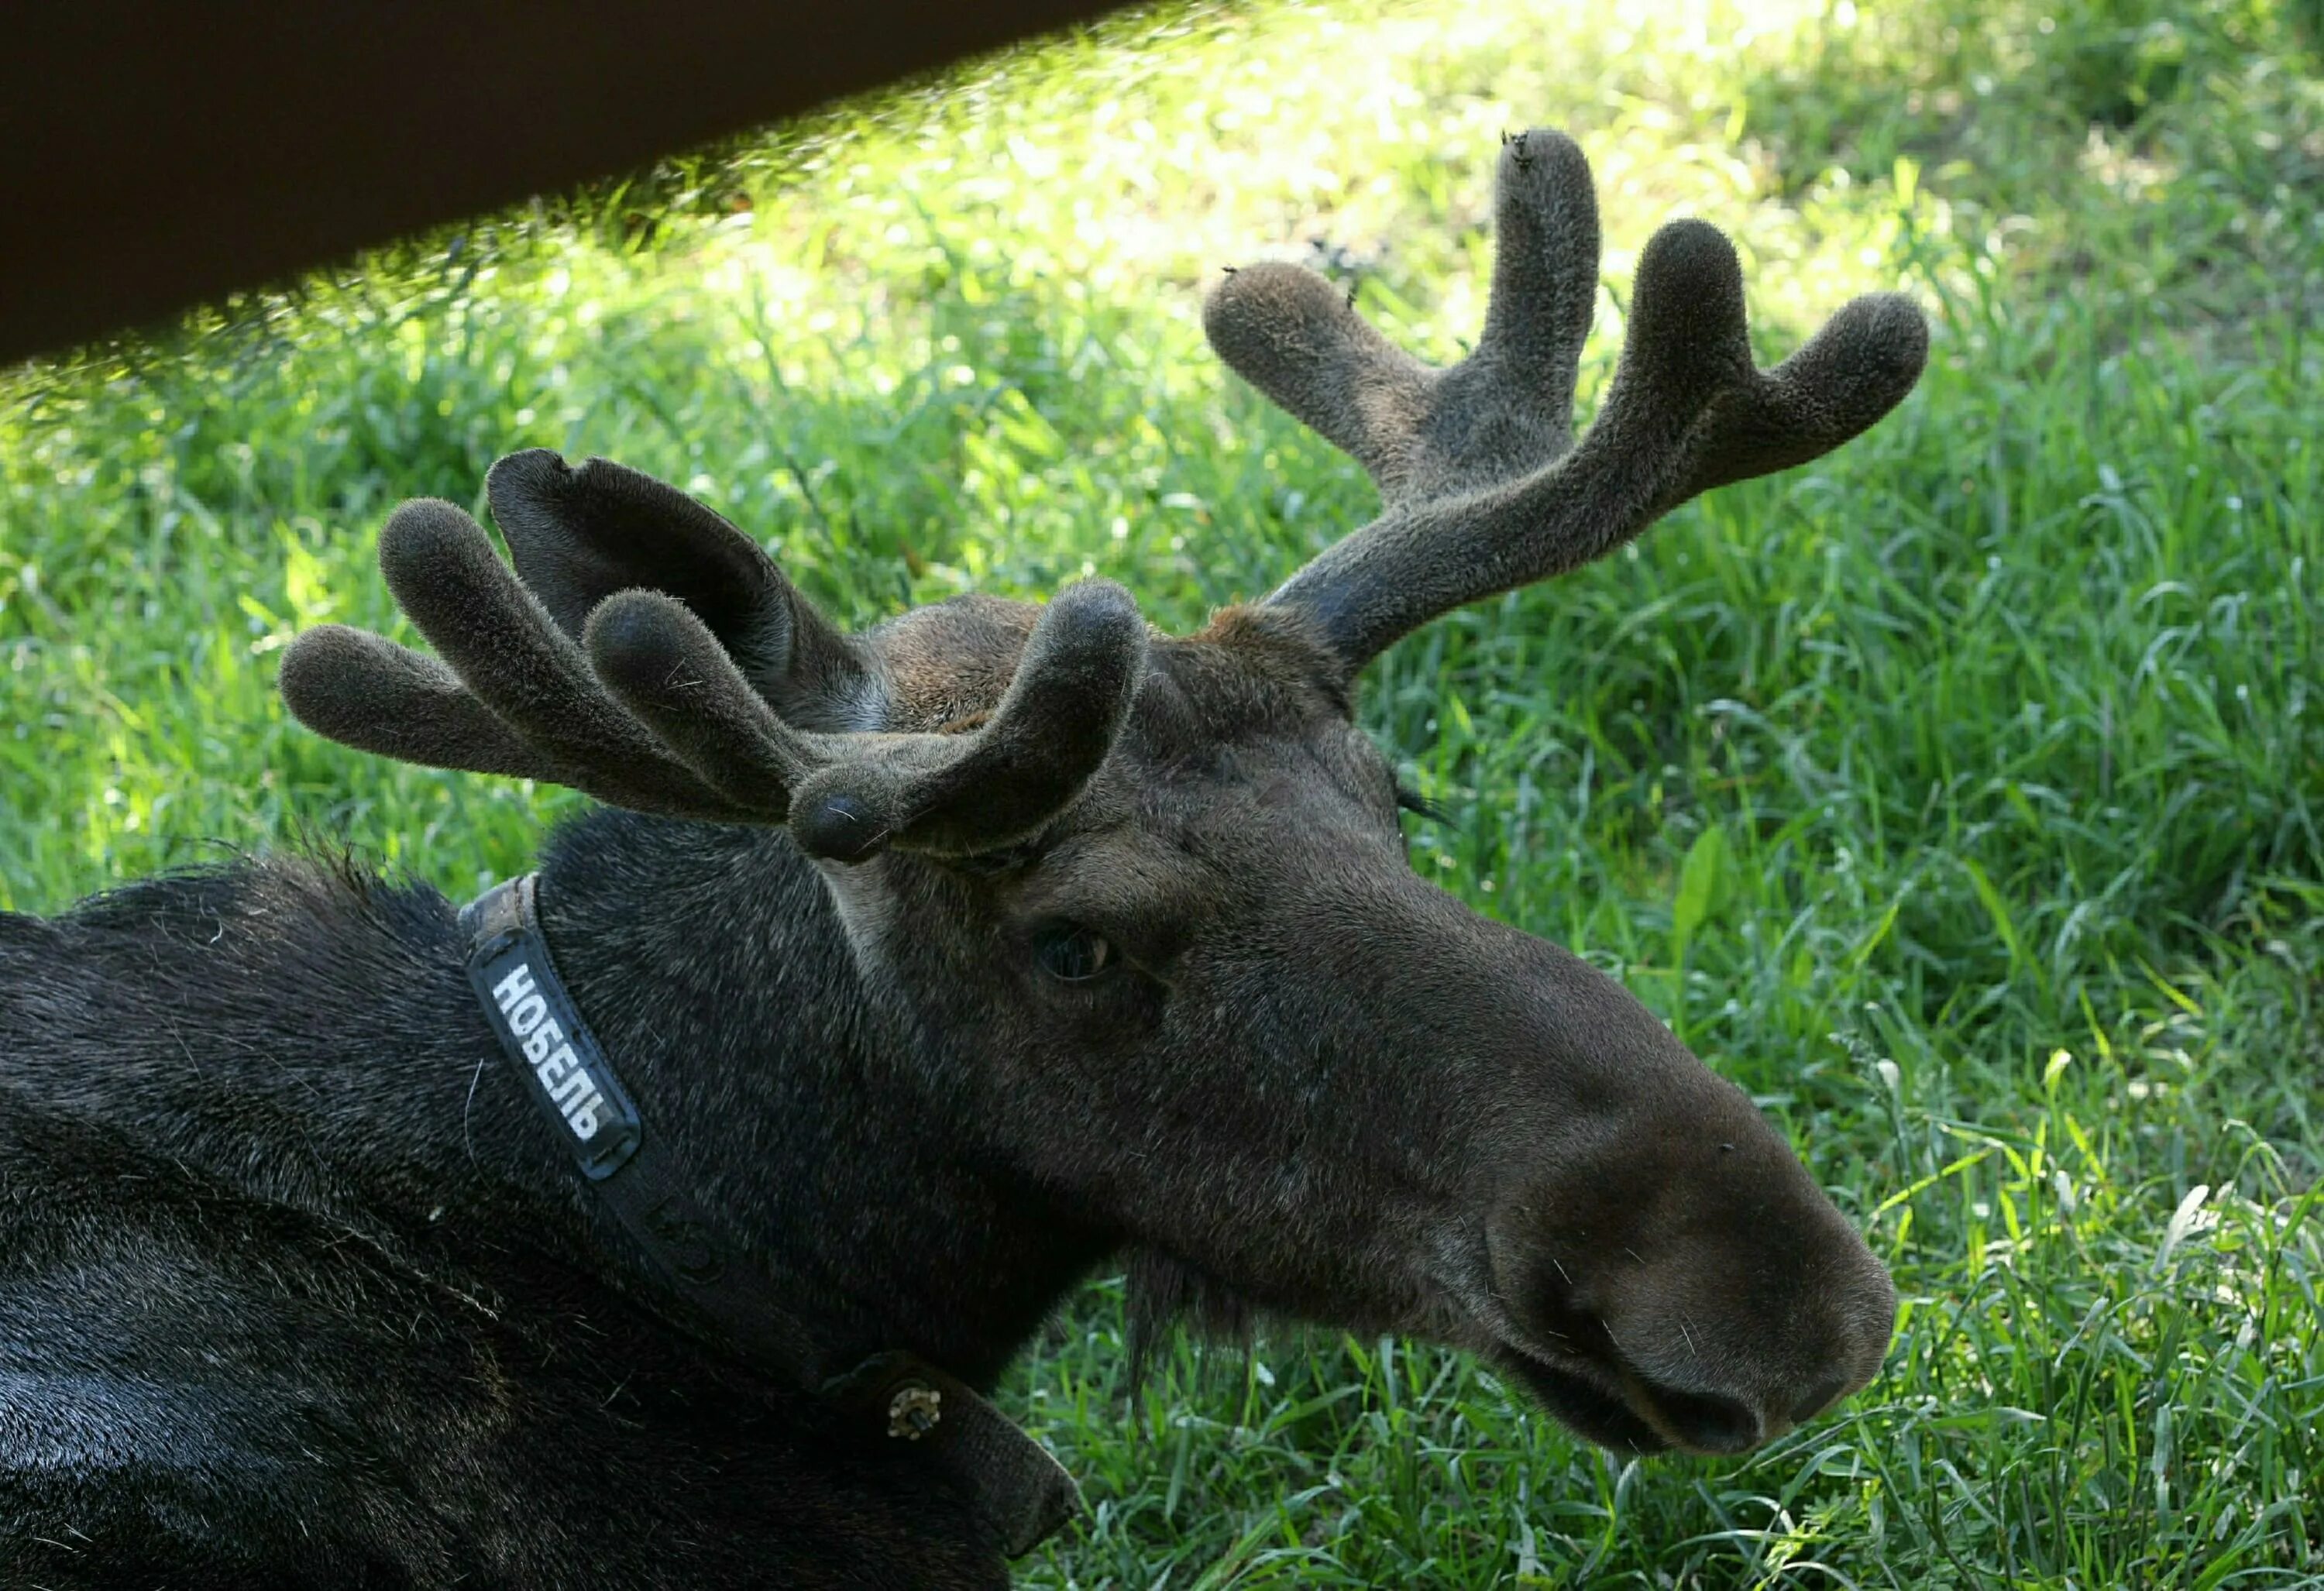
(1018, 1485)
(565, 1070)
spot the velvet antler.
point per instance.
(1483, 488)
(637, 658)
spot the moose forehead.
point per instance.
(1250, 698)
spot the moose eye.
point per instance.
(1070, 951)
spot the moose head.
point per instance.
(1154, 891)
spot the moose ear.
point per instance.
(579, 535)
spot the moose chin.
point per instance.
(663, 1217)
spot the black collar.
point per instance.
(725, 1300)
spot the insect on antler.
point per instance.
(1482, 486)
(579, 675)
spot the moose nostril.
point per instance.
(1825, 1394)
(1708, 1422)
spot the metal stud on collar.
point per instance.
(914, 1410)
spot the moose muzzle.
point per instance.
(1669, 1273)
(1623, 1229)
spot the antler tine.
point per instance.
(363, 690)
(1287, 332)
(578, 535)
(1485, 491)
(666, 667)
(1544, 281)
(1415, 430)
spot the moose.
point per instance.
(663, 1218)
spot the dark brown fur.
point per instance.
(297, 1294)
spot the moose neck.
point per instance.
(808, 1109)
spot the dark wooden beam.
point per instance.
(155, 156)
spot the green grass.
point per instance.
(1958, 794)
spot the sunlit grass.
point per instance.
(1958, 794)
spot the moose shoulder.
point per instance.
(941, 963)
